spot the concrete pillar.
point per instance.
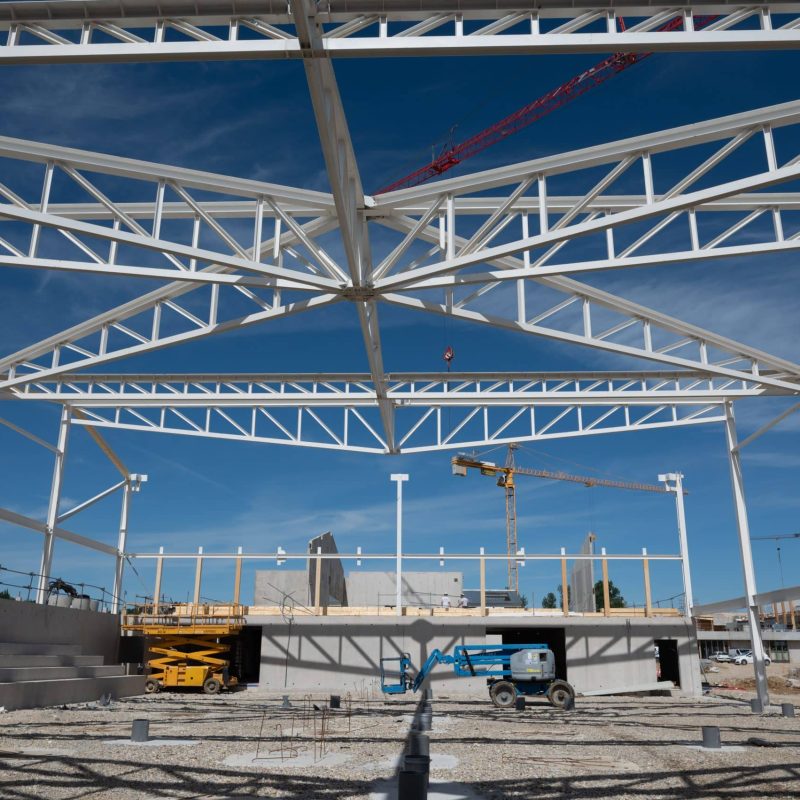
(564, 584)
(737, 482)
(52, 506)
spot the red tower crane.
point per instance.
(527, 115)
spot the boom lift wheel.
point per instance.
(558, 693)
(211, 686)
(503, 694)
(150, 686)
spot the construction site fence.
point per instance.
(23, 587)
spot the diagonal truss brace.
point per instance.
(348, 195)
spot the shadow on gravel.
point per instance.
(40, 777)
(721, 783)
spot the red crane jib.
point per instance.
(528, 114)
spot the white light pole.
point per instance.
(399, 479)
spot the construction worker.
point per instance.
(463, 602)
(445, 600)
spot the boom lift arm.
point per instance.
(510, 669)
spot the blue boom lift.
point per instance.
(510, 670)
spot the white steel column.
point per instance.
(399, 479)
(747, 557)
(52, 507)
(683, 540)
(120, 559)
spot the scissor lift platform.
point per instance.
(183, 644)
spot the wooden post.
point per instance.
(606, 594)
(648, 602)
(157, 587)
(198, 576)
(317, 582)
(237, 579)
(564, 584)
(483, 585)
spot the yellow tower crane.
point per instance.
(505, 479)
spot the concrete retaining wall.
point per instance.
(94, 632)
(342, 654)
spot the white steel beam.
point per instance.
(789, 593)
(348, 194)
(119, 561)
(34, 525)
(91, 501)
(201, 32)
(28, 435)
(768, 426)
(646, 317)
(52, 506)
(742, 524)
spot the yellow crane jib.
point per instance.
(505, 473)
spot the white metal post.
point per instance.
(684, 543)
(747, 557)
(52, 507)
(399, 479)
(673, 482)
(120, 559)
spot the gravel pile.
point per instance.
(247, 746)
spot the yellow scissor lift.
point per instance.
(184, 646)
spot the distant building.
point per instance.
(284, 585)
(423, 589)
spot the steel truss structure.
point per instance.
(55, 31)
(500, 248)
(504, 248)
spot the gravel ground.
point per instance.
(616, 747)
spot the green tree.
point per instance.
(5, 595)
(549, 601)
(614, 594)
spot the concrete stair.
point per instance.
(44, 674)
(35, 673)
(41, 660)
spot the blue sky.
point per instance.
(254, 119)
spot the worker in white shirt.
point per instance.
(445, 600)
(463, 602)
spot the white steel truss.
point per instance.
(497, 248)
(53, 31)
(428, 411)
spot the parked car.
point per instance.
(719, 657)
(746, 657)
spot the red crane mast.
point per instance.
(527, 115)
